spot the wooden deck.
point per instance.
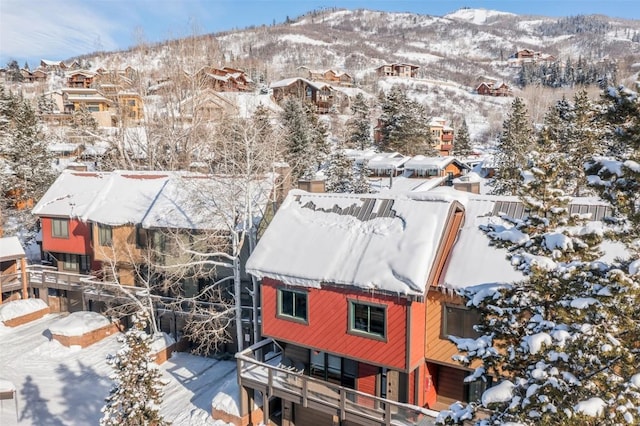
(274, 381)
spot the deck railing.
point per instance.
(260, 368)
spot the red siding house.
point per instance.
(345, 279)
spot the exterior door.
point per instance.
(393, 385)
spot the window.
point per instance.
(334, 369)
(69, 262)
(104, 235)
(292, 304)
(60, 228)
(141, 237)
(368, 319)
(459, 321)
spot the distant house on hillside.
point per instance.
(36, 76)
(397, 70)
(319, 94)
(442, 135)
(224, 79)
(492, 89)
(80, 78)
(49, 65)
(529, 56)
(330, 76)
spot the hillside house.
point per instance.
(130, 107)
(321, 95)
(68, 100)
(528, 56)
(442, 135)
(397, 70)
(224, 79)
(49, 65)
(330, 76)
(493, 89)
(207, 105)
(36, 76)
(80, 78)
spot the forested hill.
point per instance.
(461, 47)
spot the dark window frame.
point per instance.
(293, 316)
(467, 316)
(367, 332)
(58, 230)
(105, 235)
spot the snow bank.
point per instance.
(160, 341)
(226, 403)
(79, 323)
(593, 407)
(6, 386)
(18, 308)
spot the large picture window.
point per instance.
(368, 319)
(459, 321)
(104, 235)
(292, 305)
(60, 228)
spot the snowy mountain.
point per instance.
(455, 53)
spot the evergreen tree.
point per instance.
(361, 184)
(560, 339)
(46, 105)
(462, 142)
(404, 125)
(297, 140)
(24, 151)
(359, 126)
(13, 71)
(137, 390)
(580, 142)
(305, 140)
(318, 137)
(340, 173)
(513, 144)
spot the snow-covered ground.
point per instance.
(57, 385)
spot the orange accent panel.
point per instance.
(79, 241)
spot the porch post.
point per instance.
(23, 267)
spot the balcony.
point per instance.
(273, 380)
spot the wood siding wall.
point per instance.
(78, 242)
(327, 326)
(123, 247)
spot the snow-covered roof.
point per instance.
(10, 249)
(420, 162)
(373, 242)
(154, 199)
(180, 204)
(289, 81)
(473, 261)
(387, 160)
